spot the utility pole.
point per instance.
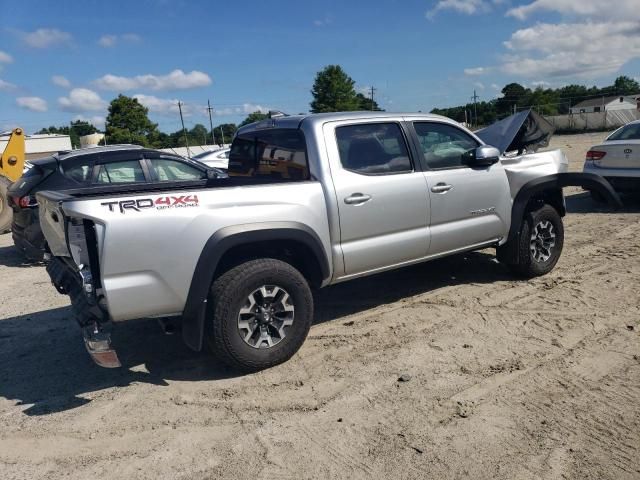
(209, 109)
(475, 106)
(222, 133)
(184, 131)
(372, 91)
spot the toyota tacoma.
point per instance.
(309, 201)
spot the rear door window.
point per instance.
(373, 149)
(171, 170)
(278, 154)
(129, 171)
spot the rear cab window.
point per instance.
(270, 155)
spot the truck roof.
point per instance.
(294, 121)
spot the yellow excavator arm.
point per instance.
(11, 167)
(12, 162)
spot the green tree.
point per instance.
(76, 130)
(199, 135)
(624, 85)
(365, 103)
(254, 117)
(333, 91)
(128, 122)
(228, 129)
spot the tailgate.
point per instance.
(53, 221)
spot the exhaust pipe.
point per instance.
(98, 345)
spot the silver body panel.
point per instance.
(147, 258)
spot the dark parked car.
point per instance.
(100, 167)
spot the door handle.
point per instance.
(441, 188)
(357, 199)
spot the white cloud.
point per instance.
(60, 81)
(111, 40)
(323, 22)
(166, 106)
(252, 107)
(577, 49)
(479, 85)
(5, 57)
(46, 37)
(97, 121)
(35, 104)
(540, 83)
(7, 86)
(108, 40)
(468, 7)
(620, 9)
(476, 71)
(175, 80)
(82, 100)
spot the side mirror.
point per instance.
(483, 156)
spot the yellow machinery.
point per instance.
(11, 167)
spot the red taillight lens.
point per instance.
(595, 154)
(27, 201)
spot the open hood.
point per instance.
(524, 130)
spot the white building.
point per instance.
(607, 104)
(40, 145)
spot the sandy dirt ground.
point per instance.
(503, 379)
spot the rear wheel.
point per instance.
(261, 315)
(6, 214)
(539, 244)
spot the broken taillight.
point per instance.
(27, 201)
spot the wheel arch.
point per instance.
(290, 241)
(548, 189)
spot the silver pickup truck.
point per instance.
(310, 201)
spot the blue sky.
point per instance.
(65, 60)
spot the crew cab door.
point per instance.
(381, 193)
(469, 206)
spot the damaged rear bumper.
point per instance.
(87, 311)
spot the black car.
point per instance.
(100, 167)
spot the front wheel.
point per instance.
(540, 243)
(261, 315)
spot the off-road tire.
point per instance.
(526, 265)
(6, 213)
(228, 295)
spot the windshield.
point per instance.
(628, 132)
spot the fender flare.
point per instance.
(588, 181)
(193, 315)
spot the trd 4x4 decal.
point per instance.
(159, 203)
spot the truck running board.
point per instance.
(98, 344)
